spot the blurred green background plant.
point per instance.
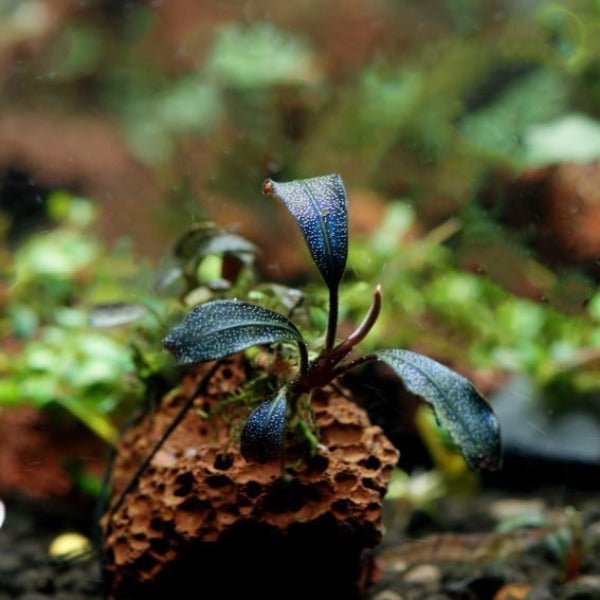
(51, 355)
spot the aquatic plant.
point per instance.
(50, 356)
(219, 328)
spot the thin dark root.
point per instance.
(131, 485)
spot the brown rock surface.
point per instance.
(201, 515)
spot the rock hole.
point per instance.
(345, 477)
(340, 506)
(371, 484)
(146, 563)
(218, 481)
(190, 515)
(318, 464)
(372, 463)
(184, 484)
(158, 524)
(342, 435)
(253, 489)
(223, 462)
(231, 509)
(345, 481)
(159, 545)
(194, 504)
(287, 496)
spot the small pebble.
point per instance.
(387, 595)
(69, 545)
(508, 508)
(585, 586)
(513, 591)
(424, 575)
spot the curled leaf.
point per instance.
(459, 408)
(264, 431)
(228, 243)
(223, 327)
(205, 238)
(199, 241)
(196, 236)
(319, 206)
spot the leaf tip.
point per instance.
(267, 187)
(171, 344)
(168, 342)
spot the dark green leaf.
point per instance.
(459, 407)
(227, 243)
(204, 238)
(222, 327)
(264, 431)
(319, 206)
(198, 234)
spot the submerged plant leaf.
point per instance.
(223, 327)
(229, 243)
(264, 431)
(319, 206)
(201, 241)
(197, 235)
(459, 407)
(113, 314)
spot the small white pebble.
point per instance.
(508, 508)
(425, 575)
(388, 595)
(69, 545)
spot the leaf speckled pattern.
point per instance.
(223, 327)
(459, 407)
(264, 431)
(319, 206)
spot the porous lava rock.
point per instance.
(203, 520)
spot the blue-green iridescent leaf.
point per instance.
(319, 206)
(264, 431)
(459, 408)
(223, 327)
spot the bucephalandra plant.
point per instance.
(221, 328)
